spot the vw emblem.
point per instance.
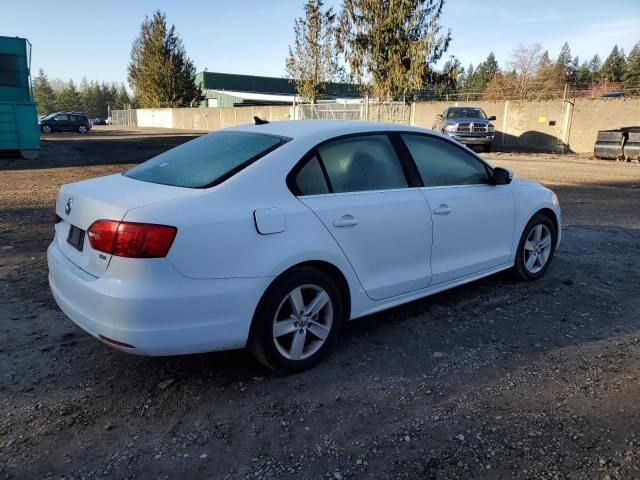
(68, 206)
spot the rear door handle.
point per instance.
(345, 221)
(443, 209)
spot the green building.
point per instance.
(228, 90)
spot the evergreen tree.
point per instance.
(122, 100)
(313, 60)
(69, 98)
(631, 76)
(160, 72)
(595, 66)
(567, 64)
(43, 94)
(486, 70)
(392, 46)
(614, 66)
(583, 77)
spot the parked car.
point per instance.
(98, 121)
(468, 125)
(65, 122)
(613, 95)
(272, 235)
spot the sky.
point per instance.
(93, 39)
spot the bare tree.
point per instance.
(312, 61)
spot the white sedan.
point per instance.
(272, 235)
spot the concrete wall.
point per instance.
(208, 118)
(552, 126)
(530, 125)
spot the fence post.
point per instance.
(504, 123)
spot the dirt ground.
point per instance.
(495, 379)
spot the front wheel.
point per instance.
(296, 321)
(45, 129)
(487, 148)
(536, 248)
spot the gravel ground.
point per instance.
(495, 379)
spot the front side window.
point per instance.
(207, 160)
(61, 118)
(441, 164)
(367, 162)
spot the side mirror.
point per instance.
(501, 176)
(492, 117)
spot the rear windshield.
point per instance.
(205, 161)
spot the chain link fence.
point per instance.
(365, 110)
(124, 118)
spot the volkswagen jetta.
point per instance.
(272, 235)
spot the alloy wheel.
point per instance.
(302, 322)
(537, 248)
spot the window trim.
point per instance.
(468, 151)
(406, 163)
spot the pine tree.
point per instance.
(391, 47)
(313, 60)
(567, 64)
(160, 72)
(631, 76)
(583, 77)
(614, 66)
(69, 98)
(43, 94)
(486, 70)
(595, 66)
(122, 98)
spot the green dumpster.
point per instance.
(18, 114)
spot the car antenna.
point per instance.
(258, 121)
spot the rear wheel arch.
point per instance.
(325, 267)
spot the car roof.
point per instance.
(322, 129)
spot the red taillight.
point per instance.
(127, 239)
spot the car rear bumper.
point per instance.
(147, 304)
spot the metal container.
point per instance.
(18, 115)
(609, 144)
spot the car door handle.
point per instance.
(345, 221)
(443, 209)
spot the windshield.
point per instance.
(463, 112)
(205, 161)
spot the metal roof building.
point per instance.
(229, 89)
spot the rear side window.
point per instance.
(205, 161)
(367, 162)
(310, 179)
(441, 163)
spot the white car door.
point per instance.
(473, 219)
(359, 190)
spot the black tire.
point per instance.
(261, 339)
(520, 268)
(82, 129)
(487, 148)
(47, 128)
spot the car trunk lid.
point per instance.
(80, 204)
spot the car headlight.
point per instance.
(554, 198)
(491, 128)
(451, 128)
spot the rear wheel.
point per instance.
(45, 129)
(82, 129)
(536, 248)
(296, 321)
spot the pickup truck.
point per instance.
(468, 125)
